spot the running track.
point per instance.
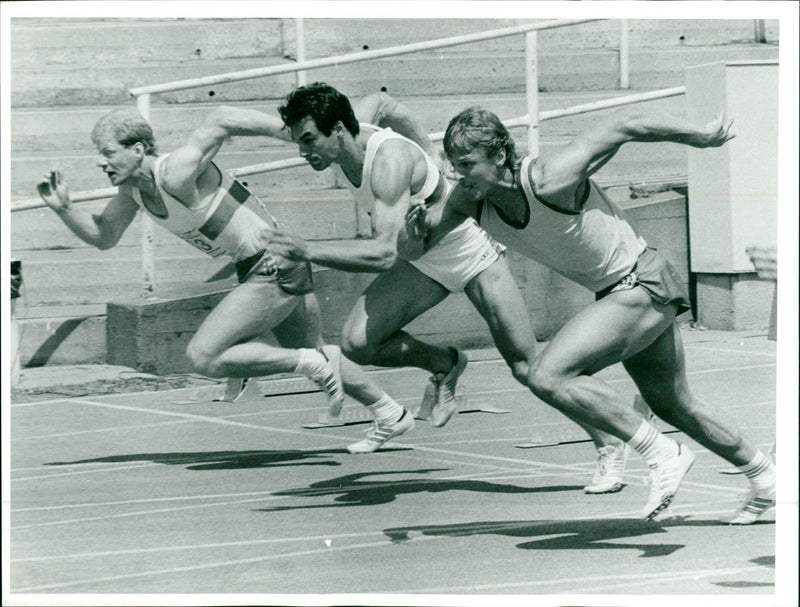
(167, 492)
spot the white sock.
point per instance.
(651, 444)
(761, 472)
(386, 410)
(309, 361)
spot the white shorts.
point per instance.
(460, 256)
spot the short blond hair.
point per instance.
(476, 127)
(127, 127)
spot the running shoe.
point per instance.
(752, 507)
(665, 479)
(430, 397)
(607, 477)
(446, 397)
(378, 434)
(328, 376)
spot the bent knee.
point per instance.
(543, 380)
(203, 360)
(357, 350)
(520, 370)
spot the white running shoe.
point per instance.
(430, 397)
(446, 397)
(611, 462)
(665, 479)
(752, 507)
(378, 434)
(327, 374)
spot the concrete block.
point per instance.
(733, 189)
(430, 72)
(137, 328)
(152, 335)
(661, 220)
(63, 336)
(732, 302)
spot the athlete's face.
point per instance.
(117, 161)
(319, 150)
(477, 170)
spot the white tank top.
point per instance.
(230, 224)
(363, 193)
(595, 247)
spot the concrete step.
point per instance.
(432, 72)
(74, 333)
(323, 214)
(88, 276)
(634, 161)
(49, 138)
(59, 269)
(66, 129)
(39, 42)
(58, 335)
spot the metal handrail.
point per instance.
(354, 57)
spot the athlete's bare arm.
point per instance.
(557, 176)
(184, 166)
(383, 110)
(102, 231)
(392, 174)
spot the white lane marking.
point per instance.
(89, 519)
(579, 582)
(479, 362)
(192, 547)
(321, 492)
(80, 472)
(727, 351)
(215, 565)
(305, 433)
(100, 430)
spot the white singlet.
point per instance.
(462, 254)
(230, 224)
(595, 247)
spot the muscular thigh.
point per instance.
(495, 294)
(606, 332)
(390, 302)
(302, 328)
(248, 312)
(659, 370)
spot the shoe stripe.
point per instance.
(763, 467)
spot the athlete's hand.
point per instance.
(288, 245)
(417, 220)
(714, 134)
(54, 191)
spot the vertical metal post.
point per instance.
(760, 31)
(624, 55)
(300, 43)
(148, 263)
(532, 91)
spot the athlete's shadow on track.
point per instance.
(352, 491)
(570, 535)
(225, 460)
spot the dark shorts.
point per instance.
(293, 277)
(658, 277)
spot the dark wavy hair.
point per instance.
(127, 127)
(324, 104)
(476, 127)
